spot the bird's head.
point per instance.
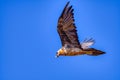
(59, 52)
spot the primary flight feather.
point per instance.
(69, 38)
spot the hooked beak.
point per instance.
(56, 55)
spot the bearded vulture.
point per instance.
(68, 34)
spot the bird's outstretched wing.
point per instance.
(67, 29)
(87, 43)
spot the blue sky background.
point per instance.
(29, 40)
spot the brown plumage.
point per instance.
(69, 38)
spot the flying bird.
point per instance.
(68, 34)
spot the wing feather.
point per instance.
(87, 43)
(67, 29)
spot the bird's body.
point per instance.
(77, 51)
(69, 38)
(69, 51)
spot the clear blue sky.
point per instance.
(29, 40)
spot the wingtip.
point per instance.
(68, 3)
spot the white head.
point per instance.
(59, 52)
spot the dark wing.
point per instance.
(67, 29)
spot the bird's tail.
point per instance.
(94, 52)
